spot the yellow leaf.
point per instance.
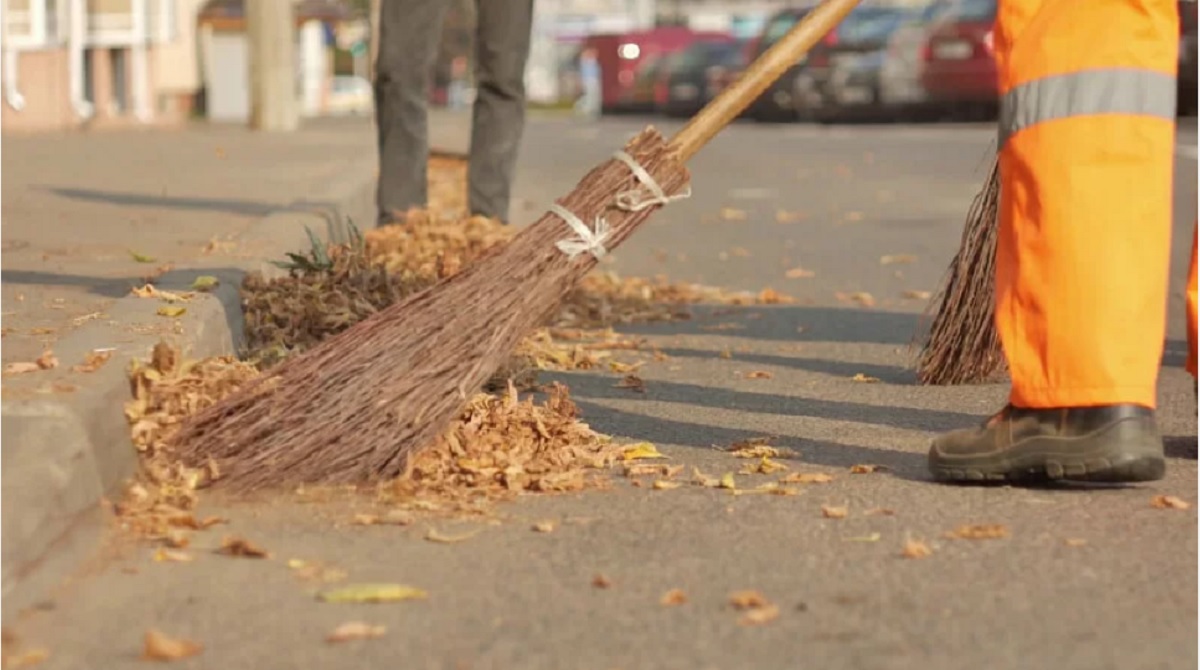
(917, 295)
(806, 478)
(205, 283)
(897, 258)
(799, 273)
(158, 646)
(434, 536)
(171, 311)
(664, 485)
(1169, 502)
(834, 512)
(863, 469)
(915, 549)
(727, 482)
(860, 377)
(355, 630)
(673, 597)
(169, 555)
(640, 451)
(141, 258)
(872, 537)
(372, 593)
(980, 532)
(544, 526)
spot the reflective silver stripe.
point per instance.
(1089, 92)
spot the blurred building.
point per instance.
(111, 62)
(225, 65)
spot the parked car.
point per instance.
(959, 64)
(350, 96)
(841, 78)
(620, 54)
(900, 91)
(1187, 57)
(776, 103)
(640, 97)
(694, 76)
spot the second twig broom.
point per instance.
(354, 408)
(962, 345)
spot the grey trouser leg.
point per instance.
(410, 32)
(498, 117)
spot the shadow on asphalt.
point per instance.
(109, 287)
(665, 431)
(800, 324)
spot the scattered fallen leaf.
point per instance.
(769, 296)
(622, 368)
(47, 361)
(673, 598)
(759, 374)
(704, 480)
(94, 360)
(158, 646)
(861, 297)
(860, 377)
(917, 295)
(744, 600)
(871, 537)
(896, 259)
(205, 283)
(806, 478)
(726, 353)
(177, 539)
(1074, 542)
(141, 258)
(864, 469)
(372, 593)
(731, 214)
(544, 526)
(237, 546)
(727, 482)
(633, 383)
(355, 630)
(164, 555)
(640, 451)
(979, 532)
(740, 252)
(365, 519)
(433, 535)
(799, 273)
(765, 466)
(171, 311)
(915, 549)
(728, 325)
(21, 368)
(830, 512)
(601, 582)
(1169, 502)
(754, 447)
(25, 659)
(879, 511)
(783, 216)
(760, 616)
(665, 485)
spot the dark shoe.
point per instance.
(1114, 444)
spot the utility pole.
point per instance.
(271, 32)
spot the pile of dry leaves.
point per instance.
(502, 446)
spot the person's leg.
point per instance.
(409, 34)
(498, 116)
(1086, 156)
(1192, 308)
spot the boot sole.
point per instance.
(1124, 452)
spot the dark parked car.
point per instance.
(1187, 57)
(775, 103)
(696, 76)
(639, 97)
(959, 70)
(900, 89)
(822, 80)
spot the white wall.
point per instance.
(176, 64)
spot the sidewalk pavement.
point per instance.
(206, 200)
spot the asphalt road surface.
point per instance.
(1087, 578)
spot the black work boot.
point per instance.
(1113, 444)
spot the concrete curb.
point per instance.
(65, 451)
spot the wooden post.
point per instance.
(271, 42)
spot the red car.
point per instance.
(958, 71)
(621, 54)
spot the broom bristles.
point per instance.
(962, 345)
(354, 409)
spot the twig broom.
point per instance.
(962, 345)
(353, 409)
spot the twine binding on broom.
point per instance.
(591, 240)
(635, 200)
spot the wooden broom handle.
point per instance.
(763, 72)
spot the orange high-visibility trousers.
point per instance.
(1191, 306)
(1087, 134)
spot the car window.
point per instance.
(973, 10)
(871, 24)
(778, 27)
